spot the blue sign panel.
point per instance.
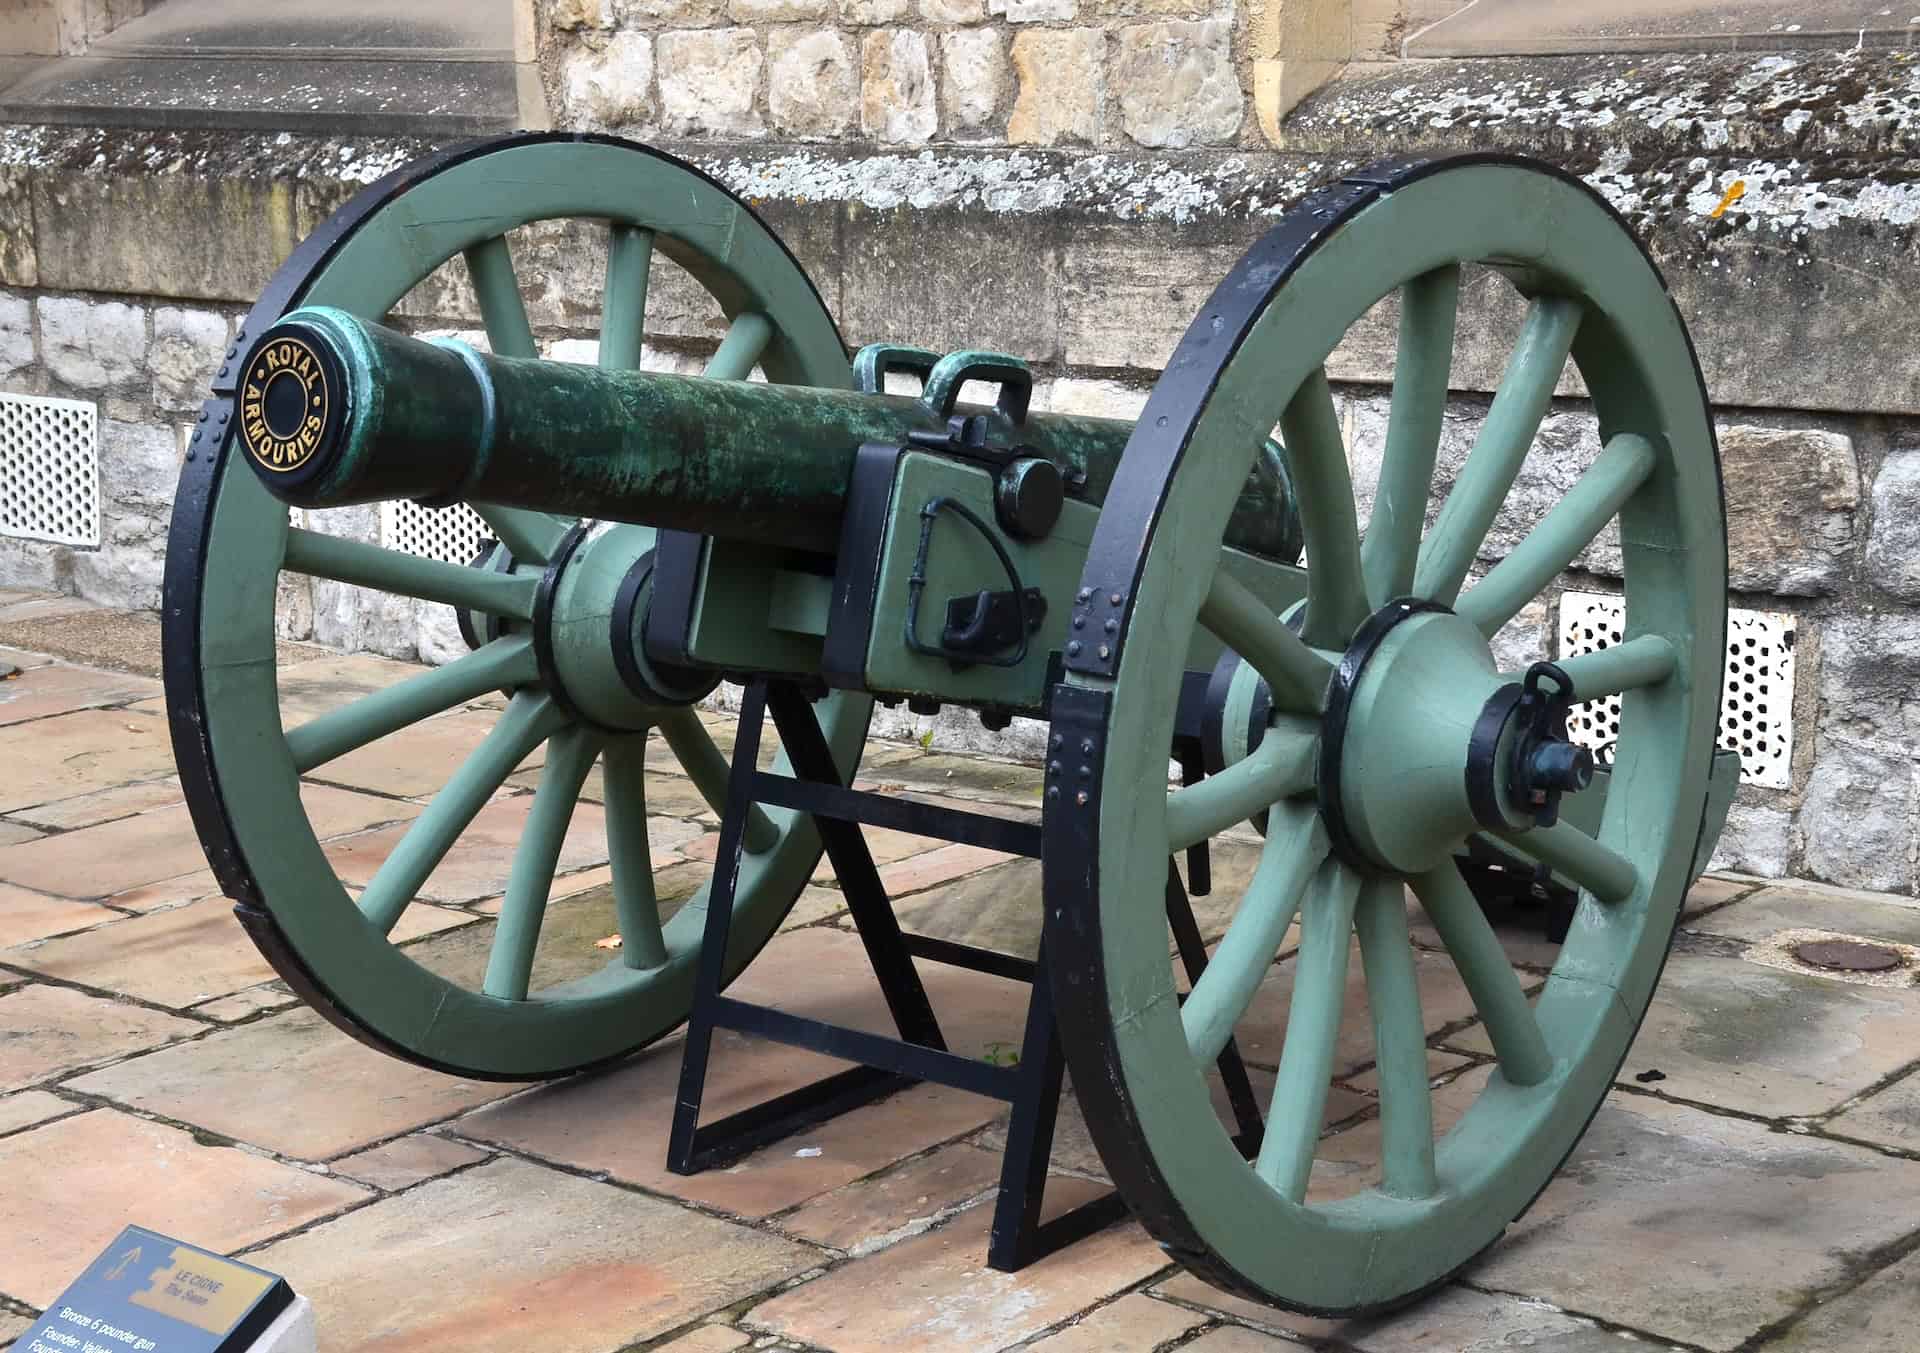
(147, 1293)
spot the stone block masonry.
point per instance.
(1068, 180)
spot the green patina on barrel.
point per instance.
(733, 459)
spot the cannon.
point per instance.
(1202, 573)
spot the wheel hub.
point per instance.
(588, 630)
(1423, 744)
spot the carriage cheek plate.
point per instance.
(286, 398)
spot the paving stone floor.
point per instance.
(1753, 1182)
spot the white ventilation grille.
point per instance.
(451, 534)
(1756, 699)
(50, 470)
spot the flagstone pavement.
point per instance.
(1752, 1183)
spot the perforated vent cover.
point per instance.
(1756, 701)
(50, 470)
(451, 534)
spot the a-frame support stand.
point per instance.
(885, 1065)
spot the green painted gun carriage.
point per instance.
(1200, 579)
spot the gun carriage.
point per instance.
(1134, 584)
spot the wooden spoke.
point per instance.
(747, 337)
(1567, 529)
(1243, 622)
(623, 302)
(1488, 977)
(502, 664)
(708, 768)
(530, 882)
(1313, 1025)
(1568, 851)
(530, 537)
(1429, 307)
(408, 575)
(1295, 846)
(1399, 1040)
(630, 853)
(1281, 766)
(1323, 487)
(530, 719)
(502, 308)
(1505, 438)
(1645, 661)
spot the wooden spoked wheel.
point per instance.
(1380, 687)
(538, 606)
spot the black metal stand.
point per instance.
(886, 1065)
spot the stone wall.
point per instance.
(884, 139)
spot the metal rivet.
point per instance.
(1053, 767)
(225, 369)
(1105, 651)
(1086, 746)
(1113, 626)
(1114, 600)
(1079, 622)
(1059, 740)
(1053, 791)
(203, 415)
(1086, 772)
(1086, 594)
(1073, 648)
(1081, 798)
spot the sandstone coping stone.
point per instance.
(811, 89)
(611, 86)
(19, 267)
(67, 1188)
(897, 87)
(975, 61)
(1176, 83)
(1059, 71)
(92, 345)
(710, 83)
(514, 1243)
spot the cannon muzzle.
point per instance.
(335, 410)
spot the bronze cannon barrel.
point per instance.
(335, 410)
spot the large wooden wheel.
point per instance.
(1381, 756)
(537, 606)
